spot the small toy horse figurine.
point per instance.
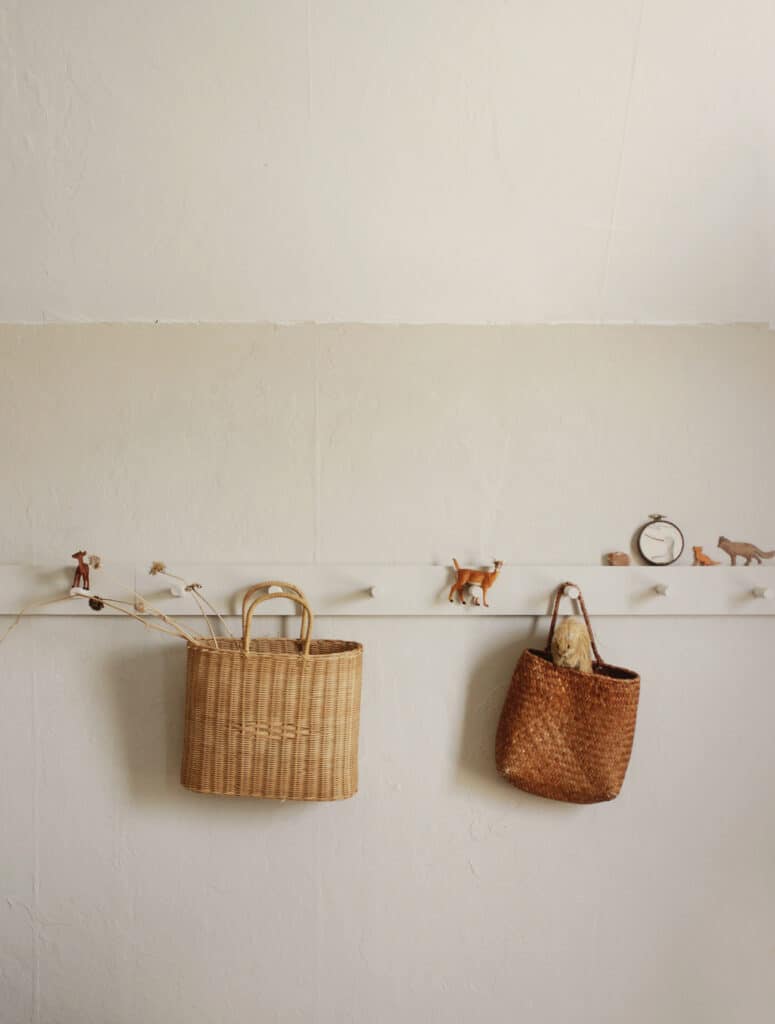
(473, 578)
(81, 578)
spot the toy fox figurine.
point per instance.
(735, 548)
(473, 578)
(700, 558)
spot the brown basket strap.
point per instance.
(306, 620)
(294, 593)
(557, 598)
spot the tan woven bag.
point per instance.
(273, 717)
(563, 734)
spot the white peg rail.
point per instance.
(378, 590)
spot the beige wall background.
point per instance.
(423, 161)
(438, 891)
(204, 205)
(348, 443)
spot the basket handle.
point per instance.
(306, 620)
(557, 598)
(294, 593)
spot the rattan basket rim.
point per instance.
(231, 646)
(626, 675)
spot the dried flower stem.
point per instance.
(199, 598)
(215, 612)
(126, 609)
(29, 607)
(149, 610)
(203, 610)
(193, 637)
(180, 631)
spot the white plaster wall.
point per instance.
(380, 444)
(438, 892)
(427, 161)
(454, 161)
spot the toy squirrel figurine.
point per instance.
(700, 558)
(473, 578)
(736, 548)
(571, 647)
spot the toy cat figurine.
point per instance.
(747, 551)
(473, 577)
(571, 647)
(700, 558)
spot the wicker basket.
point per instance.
(273, 717)
(563, 734)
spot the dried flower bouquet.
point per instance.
(139, 607)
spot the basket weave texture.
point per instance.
(564, 734)
(273, 717)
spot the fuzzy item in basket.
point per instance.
(571, 647)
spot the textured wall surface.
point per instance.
(380, 444)
(438, 892)
(447, 162)
(452, 161)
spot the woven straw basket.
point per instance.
(273, 717)
(564, 734)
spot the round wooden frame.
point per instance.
(659, 519)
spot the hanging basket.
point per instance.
(273, 717)
(564, 734)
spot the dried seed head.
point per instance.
(157, 567)
(96, 604)
(194, 586)
(139, 605)
(94, 561)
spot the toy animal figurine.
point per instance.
(617, 558)
(700, 558)
(81, 577)
(571, 647)
(473, 577)
(739, 549)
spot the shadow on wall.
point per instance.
(487, 688)
(147, 690)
